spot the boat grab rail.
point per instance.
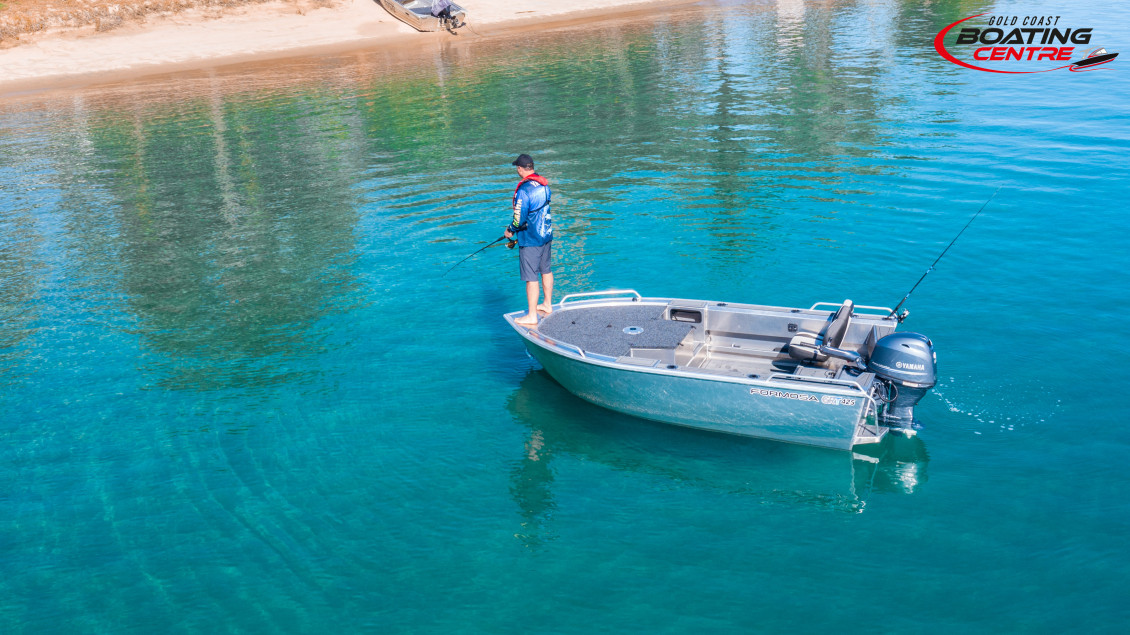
(818, 380)
(858, 307)
(596, 293)
(825, 380)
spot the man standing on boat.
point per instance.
(532, 225)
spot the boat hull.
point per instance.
(829, 418)
(417, 14)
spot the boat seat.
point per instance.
(805, 346)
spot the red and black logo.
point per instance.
(1016, 44)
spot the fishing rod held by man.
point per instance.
(474, 254)
(511, 242)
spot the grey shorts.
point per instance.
(535, 260)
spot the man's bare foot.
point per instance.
(529, 320)
(545, 308)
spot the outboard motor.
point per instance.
(907, 365)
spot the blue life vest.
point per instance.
(531, 199)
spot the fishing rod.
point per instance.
(503, 237)
(931, 268)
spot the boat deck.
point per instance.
(601, 330)
(640, 334)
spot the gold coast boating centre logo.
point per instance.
(1020, 44)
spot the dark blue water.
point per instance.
(237, 393)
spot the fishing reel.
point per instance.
(902, 316)
(510, 242)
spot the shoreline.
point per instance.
(195, 40)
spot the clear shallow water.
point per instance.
(239, 395)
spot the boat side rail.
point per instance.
(817, 380)
(833, 382)
(558, 343)
(886, 310)
(601, 293)
(571, 347)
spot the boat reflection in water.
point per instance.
(561, 424)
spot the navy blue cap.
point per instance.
(524, 161)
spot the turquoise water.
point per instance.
(238, 394)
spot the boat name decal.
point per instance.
(799, 396)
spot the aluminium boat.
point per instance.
(418, 14)
(832, 375)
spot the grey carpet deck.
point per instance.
(601, 329)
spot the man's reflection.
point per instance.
(530, 482)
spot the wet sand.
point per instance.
(200, 39)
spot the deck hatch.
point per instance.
(686, 315)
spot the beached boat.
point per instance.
(833, 375)
(418, 14)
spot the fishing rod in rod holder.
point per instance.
(906, 312)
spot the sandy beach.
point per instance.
(201, 38)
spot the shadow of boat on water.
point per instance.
(768, 471)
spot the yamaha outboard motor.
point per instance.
(909, 368)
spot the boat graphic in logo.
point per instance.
(1094, 58)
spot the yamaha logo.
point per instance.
(910, 366)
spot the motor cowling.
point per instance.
(908, 366)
